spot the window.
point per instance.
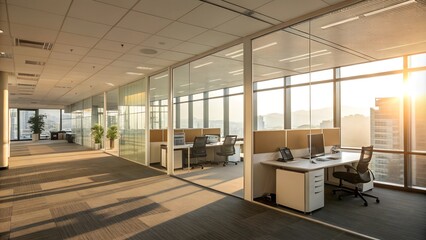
(270, 109)
(417, 94)
(236, 115)
(418, 60)
(216, 114)
(198, 114)
(372, 67)
(371, 105)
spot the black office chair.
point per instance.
(361, 175)
(228, 148)
(198, 150)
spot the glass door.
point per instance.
(23, 125)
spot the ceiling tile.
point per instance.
(65, 48)
(181, 31)
(191, 48)
(35, 18)
(51, 6)
(77, 26)
(96, 60)
(105, 13)
(126, 36)
(250, 4)
(161, 42)
(65, 56)
(77, 40)
(242, 26)
(6, 65)
(26, 51)
(174, 56)
(161, 62)
(60, 62)
(103, 54)
(166, 8)
(216, 15)
(114, 46)
(3, 13)
(286, 10)
(120, 3)
(88, 68)
(213, 38)
(143, 22)
(33, 33)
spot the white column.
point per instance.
(4, 121)
(248, 121)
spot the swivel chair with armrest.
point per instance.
(198, 150)
(361, 174)
(228, 148)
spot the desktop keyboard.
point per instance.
(324, 159)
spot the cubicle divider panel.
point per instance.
(269, 141)
(191, 133)
(211, 131)
(156, 135)
(331, 136)
(296, 138)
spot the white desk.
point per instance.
(300, 183)
(178, 153)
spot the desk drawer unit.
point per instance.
(300, 191)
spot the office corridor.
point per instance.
(93, 195)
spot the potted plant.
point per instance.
(112, 134)
(97, 132)
(36, 125)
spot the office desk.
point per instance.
(178, 159)
(300, 183)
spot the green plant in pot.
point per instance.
(112, 134)
(97, 134)
(36, 125)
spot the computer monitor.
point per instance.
(316, 145)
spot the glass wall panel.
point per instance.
(158, 95)
(236, 115)
(216, 114)
(198, 113)
(372, 67)
(417, 93)
(25, 132)
(52, 121)
(418, 169)
(112, 120)
(66, 121)
(418, 60)
(388, 167)
(13, 113)
(131, 106)
(270, 109)
(76, 121)
(87, 123)
(372, 112)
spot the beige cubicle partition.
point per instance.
(268, 141)
(331, 136)
(296, 138)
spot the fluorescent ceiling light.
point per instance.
(340, 22)
(265, 46)
(202, 65)
(215, 80)
(238, 73)
(302, 55)
(144, 68)
(272, 73)
(400, 46)
(234, 52)
(162, 76)
(389, 8)
(181, 91)
(239, 70)
(312, 56)
(152, 88)
(1, 31)
(134, 73)
(237, 55)
(312, 66)
(186, 84)
(199, 89)
(111, 84)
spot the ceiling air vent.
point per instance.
(5, 55)
(64, 87)
(30, 62)
(28, 76)
(33, 44)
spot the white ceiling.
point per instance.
(96, 42)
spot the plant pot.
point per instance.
(97, 146)
(111, 143)
(35, 137)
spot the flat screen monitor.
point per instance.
(316, 145)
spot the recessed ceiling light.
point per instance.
(312, 56)
(234, 52)
(134, 73)
(163, 76)
(272, 73)
(239, 70)
(265, 46)
(144, 68)
(110, 84)
(389, 8)
(237, 55)
(302, 55)
(215, 80)
(148, 51)
(1, 31)
(238, 73)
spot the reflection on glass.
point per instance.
(51, 121)
(312, 77)
(372, 112)
(25, 132)
(388, 167)
(418, 60)
(418, 167)
(13, 113)
(216, 114)
(417, 93)
(198, 114)
(236, 115)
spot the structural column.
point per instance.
(4, 121)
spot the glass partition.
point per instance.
(112, 121)
(52, 122)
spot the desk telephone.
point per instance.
(285, 155)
